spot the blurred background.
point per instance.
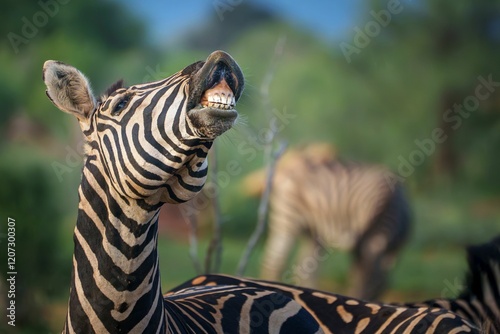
(413, 84)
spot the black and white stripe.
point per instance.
(340, 314)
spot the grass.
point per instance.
(418, 275)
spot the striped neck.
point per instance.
(116, 284)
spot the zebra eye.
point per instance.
(120, 105)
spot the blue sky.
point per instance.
(330, 20)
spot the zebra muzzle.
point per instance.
(214, 90)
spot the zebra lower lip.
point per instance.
(210, 111)
(212, 122)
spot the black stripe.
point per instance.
(126, 170)
(104, 182)
(175, 126)
(200, 173)
(107, 268)
(99, 302)
(152, 85)
(77, 317)
(142, 308)
(107, 143)
(149, 158)
(132, 157)
(190, 187)
(172, 195)
(149, 135)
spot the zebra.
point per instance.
(334, 204)
(147, 145)
(478, 305)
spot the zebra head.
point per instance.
(151, 140)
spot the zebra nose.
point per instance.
(224, 67)
(219, 74)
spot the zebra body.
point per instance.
(341, 314)
(475, 310)
(335, 205)
(147, 145)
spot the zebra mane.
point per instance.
(111, 89)
(482, 260)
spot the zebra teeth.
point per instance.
(220, 97)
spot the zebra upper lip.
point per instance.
(213, 92)
(217, 84)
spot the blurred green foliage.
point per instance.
(372, 107)
(376, 104)
(35, 135)
(33, 198)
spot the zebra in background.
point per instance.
(147, 145)
(334, 205)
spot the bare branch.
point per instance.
(269, 76)
(269, 157)
(215, 245)
(262, 211)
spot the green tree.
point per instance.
(439, 50)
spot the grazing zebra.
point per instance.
(479, 302)
(147, 145)
(335, 205)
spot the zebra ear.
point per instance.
(68, 89)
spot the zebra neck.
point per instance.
(116, 279)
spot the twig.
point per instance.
(269, 157)
(215, 244)
(264, 91)
(269, 76)
(262, 211)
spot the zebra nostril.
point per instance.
(220, 72)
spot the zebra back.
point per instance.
(340, 314)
